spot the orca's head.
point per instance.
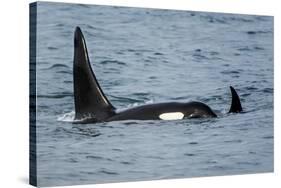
(198, 110)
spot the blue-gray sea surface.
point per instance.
(145, 56)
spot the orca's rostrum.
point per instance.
(91, 104)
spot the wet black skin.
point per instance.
(91, 104)
(153, 111)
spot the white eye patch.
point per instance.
(171, 116)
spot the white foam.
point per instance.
(67, 117)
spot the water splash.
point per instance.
(67, 117)
(70, 117)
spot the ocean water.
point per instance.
(145, 56)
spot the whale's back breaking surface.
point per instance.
(92, 105)
(165, 111)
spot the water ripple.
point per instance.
(268, 90)
(105, 62)
(58, 65)
(52, 48)
(126, 163)
(257, 32)
(94, 157)
(268, 137)
(193, 143)
(56, 95)
(89, 132)
(104, 171)
(189, 154)
(233, 141)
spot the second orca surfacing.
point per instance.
(92, 106)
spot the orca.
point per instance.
(92, 106)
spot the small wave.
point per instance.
(214, 53)
(257, 32)
(72, 160)
(198, 54)
(59, 25)
(211, 162)
(250, 88)
(52, 48)
(65, 72)
(240, 19)
(70, 117)
(130, 122)
(212, 98)
(125, 99)
(105, 62)
(108, 172)
(252, 152)
(192, 14)
(151, 101)
(131, 50)
(245, 94)
(233, 141)
(85, 131)
(217, 167)
(117, 149)
(83, 5)
(247, 48)
(214, 19)
(68, 81)
(77, 130)
(94, 157)
(248, 163)
(268, 90)
(179, 98)
(193, 143)
(141, 94)
(230, 72)
(243, 129)
(258, 48)
(152, 77)
(96, 28)
(189, 154)
(137, 172)
(56, 95)
(116, 135)
(155, 157)
(267, 137)
(131, 105)
(57, 65)
(126, 162)
(158, 53)
(139, 50)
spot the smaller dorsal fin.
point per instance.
(235, 103)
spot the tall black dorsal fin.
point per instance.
(235, 103)
(89, 98)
